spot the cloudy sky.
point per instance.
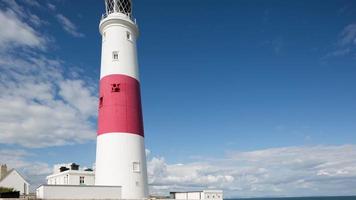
(255, 98)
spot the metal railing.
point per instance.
(129, 16)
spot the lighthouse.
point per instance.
(120, 153)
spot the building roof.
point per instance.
(80, 172)
(9, 172)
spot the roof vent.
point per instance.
(74, 166)
(63, 169)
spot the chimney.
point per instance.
(3, 171)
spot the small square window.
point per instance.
(136, 167)
(115, 55)
(115, 87)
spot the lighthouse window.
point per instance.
(136, 167)
(115, 87)
(101, 101)
(81, 180)
(115, 55)
(128, 36)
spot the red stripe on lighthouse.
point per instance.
(120, 105)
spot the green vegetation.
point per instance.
(4, 190)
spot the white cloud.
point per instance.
(22, 13)
(69, 26)
(79, 95)
(348, 35)
(32, 3)
(346, 43)
(51, 6)
(40, 106)
(17, 33)
(291, 171)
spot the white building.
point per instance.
(13, 179)
(68, 181)
(71, 174)
(198, 195)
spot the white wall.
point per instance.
(71, 177)
(200, 195)
(78, 192)
(193, 195)
(15, 180)
(181, 195)
(115, 155)
(114, 30)
(75, 178)
(213, 194)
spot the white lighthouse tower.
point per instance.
(120, 154)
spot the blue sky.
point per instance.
(219, 79)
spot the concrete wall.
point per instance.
(78, 192)
(15, 180)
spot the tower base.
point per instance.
(121, 161)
